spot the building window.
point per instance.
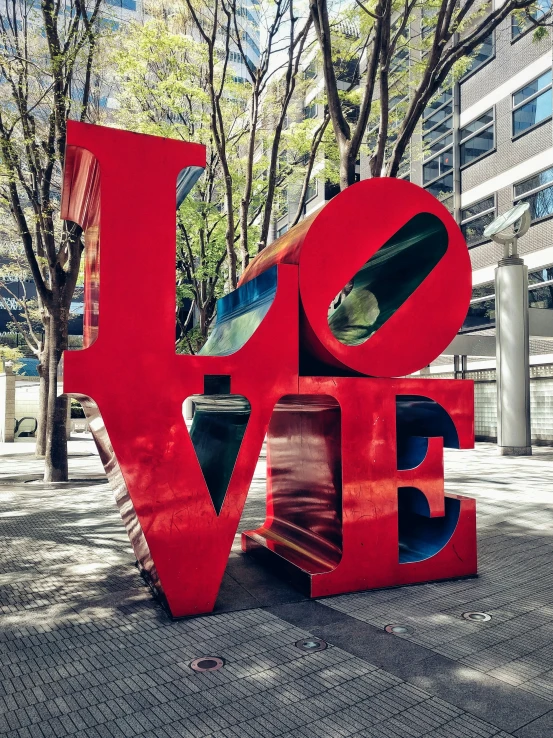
(538, 191)
(281, 202)
(331, 190)
(282, 230)
(400, 61)
(311, 190)
(310, 71)
(437, 102)
(108, 24)
(476, 218)
(310, 111)
(438, 124)
(532, 104)
(249, 40)
(347, 70)
(540, 289)
(438, 166)
(438, 150)
(442, 188)
(126, 4)
(437, 117)
(477, 138)
(481, 312)
(244, 12)
(404, 170)
(482, 54)
(441, 143)
(521, 24)
(438, 131)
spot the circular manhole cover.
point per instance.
(477, 617)
(399, 629)
(207, 663)
(311, 644)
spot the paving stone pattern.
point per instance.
(515, 585)
(86, 652)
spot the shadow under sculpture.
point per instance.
(355, 489)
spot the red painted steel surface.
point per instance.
(362, 552)
(331, 246)
(81, 203)
(333, 480)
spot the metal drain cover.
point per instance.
(477, 617)
(399, 629)
(207, 663)
(311, 644)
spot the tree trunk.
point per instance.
(231, 253)
(347, 167)
(202, 322)
(244, 254)
(40, 450)
(55, 469)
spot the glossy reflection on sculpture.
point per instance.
(355, 492)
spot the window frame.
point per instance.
(315, 183)
(405, 165)
(530, 26)
(431, 111)
(491, 297)
(534, 191)
(469, 73)
(443, 136)
(434, 112)
(471, 218)
(427, 159)
(433, 158)
(310, 71)
(514, 108)
(393, 127)
(437, 179)
(485, 127)
(483, 324)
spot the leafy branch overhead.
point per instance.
(403, 51)
(182, 78)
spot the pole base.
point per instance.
(515, 450)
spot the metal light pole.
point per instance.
(512, 335)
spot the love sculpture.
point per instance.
(355, 488)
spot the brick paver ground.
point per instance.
(85, 651)
(515, 522)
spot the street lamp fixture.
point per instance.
(500, 231)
